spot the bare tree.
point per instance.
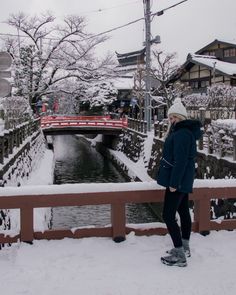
(163, 67)
(51, 53)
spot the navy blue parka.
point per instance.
(177, 165)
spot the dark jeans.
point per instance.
(177, 202)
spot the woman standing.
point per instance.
(176, 173)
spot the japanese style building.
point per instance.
(214, 63)
(129, 62)
(128, 65)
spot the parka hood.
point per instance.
(193, 125)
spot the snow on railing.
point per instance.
(117, 195)
(9, 139)
(217, 139)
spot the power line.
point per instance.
(158, 13)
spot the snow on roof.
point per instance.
(221, 66)
(229, 124)
(126, 68)
(124, 83)
(131, 53)
(216, 41)
(232, 41)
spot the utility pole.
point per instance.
(147, 99)
(148, 42)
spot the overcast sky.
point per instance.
(183, 29)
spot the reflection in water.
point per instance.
(77, 162)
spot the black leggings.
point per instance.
(177, 202)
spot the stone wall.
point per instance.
(131, 143)
(208, 166)
(15, 170)
(18, 166)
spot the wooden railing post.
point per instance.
(210, 141)
(202, 215)
(20, 135)
(11, 141)
(222, 152)
(6, 144)
(234, 147)
(156, 125)
(17, 136)
(1, 149)
(23, 133)
(142, 126)
(145, 127)
(118, 222)
(27, 227)
(160, 130)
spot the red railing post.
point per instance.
(27, 227)
(202, 215)
(118, 221)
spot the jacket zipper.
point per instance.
(167, 162)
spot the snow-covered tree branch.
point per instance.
(163, 67)
(51, 53)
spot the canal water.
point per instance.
(77, 162)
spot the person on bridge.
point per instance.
(176, 173)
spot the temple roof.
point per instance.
(130, 54)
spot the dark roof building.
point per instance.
(214, 63)
(131, 58)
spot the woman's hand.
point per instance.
(172, 189)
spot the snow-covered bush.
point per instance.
(219, 100)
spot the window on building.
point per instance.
(233, 82)
(210, 53)
(232, 52)
(194, 84)
(229, 52)
(205, 83)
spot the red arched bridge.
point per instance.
(52, 125)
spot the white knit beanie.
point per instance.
(178, 108)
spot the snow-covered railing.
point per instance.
(209, 114)
(137, 125)
(117, 195)
(160, 128)
(218, 139)
(9, 139)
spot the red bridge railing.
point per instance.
(117, 195)
(82, 121)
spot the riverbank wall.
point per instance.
(17, 167)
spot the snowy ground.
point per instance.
(98, 266)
